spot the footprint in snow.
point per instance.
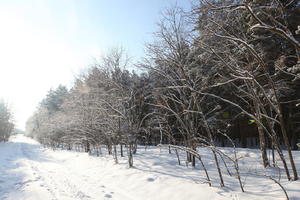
(108, 196)
(150, 179)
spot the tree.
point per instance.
(6, 122)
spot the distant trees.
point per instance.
(44, 124)
(103, 108)
(6, 122)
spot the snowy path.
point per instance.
(30, 172)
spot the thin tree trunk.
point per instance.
(212, 143)
(287, 144)
(178, 159)
(262, 146)
(219, 169)
(115, 154)
(121, 147)
(282, 158)
(130, 156)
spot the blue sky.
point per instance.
(44, 43)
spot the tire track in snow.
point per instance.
(57, 184)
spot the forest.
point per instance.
(224, 74)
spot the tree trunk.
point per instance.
(121, 147)
(262, 146)
(130, 156)
(115, 154)
(212, 143)
(287, 144)
(109, 149)
(277, 147)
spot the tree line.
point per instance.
(6, 122)
(208, 73)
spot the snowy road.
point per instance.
(30, 172)
(27, 171)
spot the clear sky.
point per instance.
(44, 43)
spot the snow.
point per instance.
(30, 172)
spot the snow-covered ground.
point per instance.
(30, 172)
